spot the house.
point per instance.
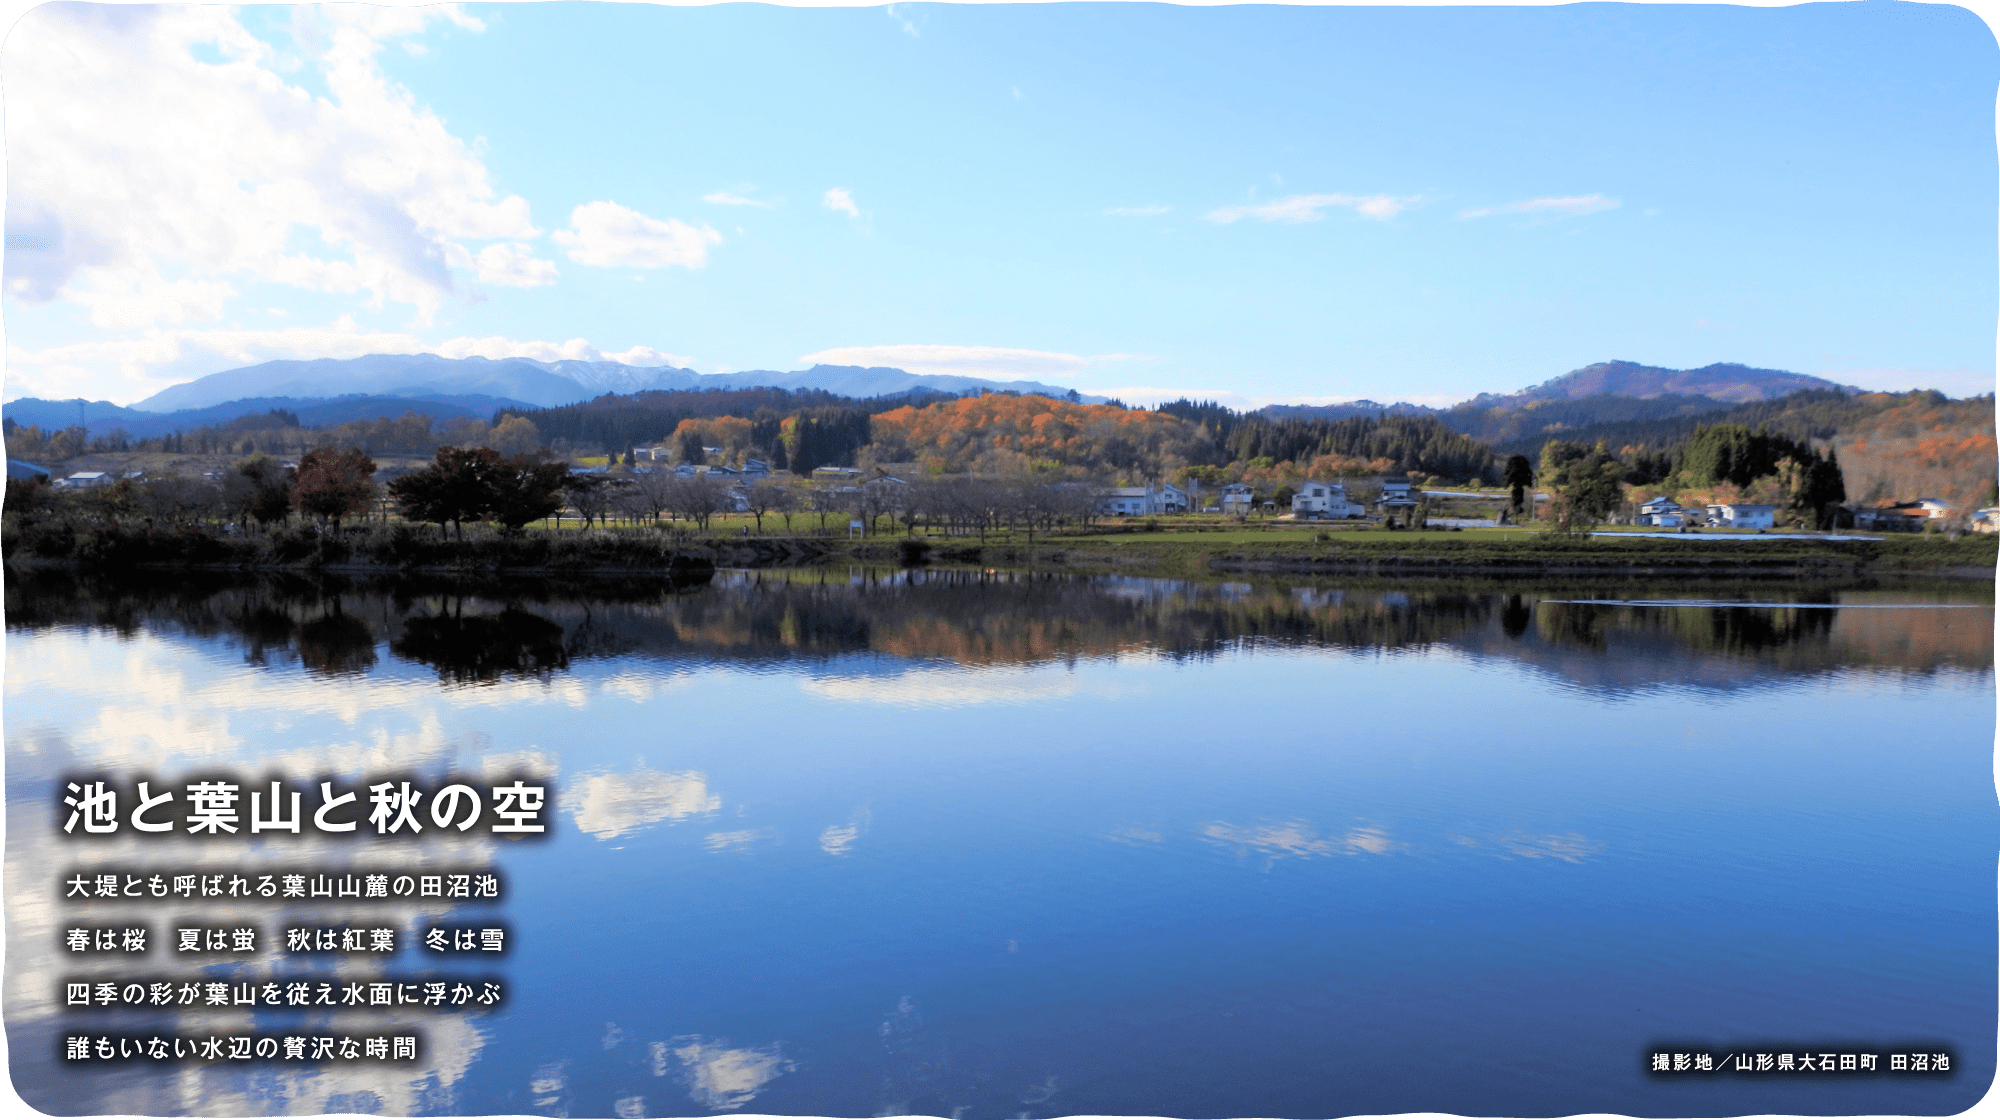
(1664, 512)
(1911, 516)
(721, 472)
(1398, 494)
(85, 480)
(887, 483)
(26, 471)
(1237, 498)
(1319, 501)
(836, 474)
(756, 468)
(1737, 516)
(1986, 520)
(1128, 501)
(1142, 501)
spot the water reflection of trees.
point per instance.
(478, 648)
(470, 631)
(1738, 631)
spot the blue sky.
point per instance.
(1252, 203)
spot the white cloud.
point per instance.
(909, 26)
(1308, 207)
(607, 235)
(497, 347)
(511, 264)
(1137, 211)
(838, 199)
(996, 362)
(1557, 207)
(647, 356)
(143, 179)
(731, 198)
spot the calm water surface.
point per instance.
(977, 845)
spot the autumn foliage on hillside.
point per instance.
(1004, 434)
(1929, 447)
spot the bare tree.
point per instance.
(651, 492)
(588, 495)
(874, 499)
(764, 496)
(698, 498)
(174, 499)
(919, 502)
(785, 503)
(825, 500)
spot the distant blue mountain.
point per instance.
(538, 384)
(46, 414)
(102, 417)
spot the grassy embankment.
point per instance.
(1190, 546)
(1347, 551)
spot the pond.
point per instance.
(984, 844)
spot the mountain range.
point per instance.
(332, 390)
(534, 383)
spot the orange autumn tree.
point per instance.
(1000, 433)
(731, 433)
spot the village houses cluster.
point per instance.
(1310, 500)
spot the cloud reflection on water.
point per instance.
(718, 1077)
(946, 688)
(607, 806)
(1296, 838)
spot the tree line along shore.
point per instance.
(1028, 475)
(475, 510)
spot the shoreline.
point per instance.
(1169, 555)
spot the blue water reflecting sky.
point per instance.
(1477, 870)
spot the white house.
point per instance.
(1237, 498)
(1663, 511)
(1319, 501)
(1126, 501)
(1986, 520)
(85, 480)
(1742, 516)
(1142, 501)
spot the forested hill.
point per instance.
(1722, 381)
(1665, 423)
